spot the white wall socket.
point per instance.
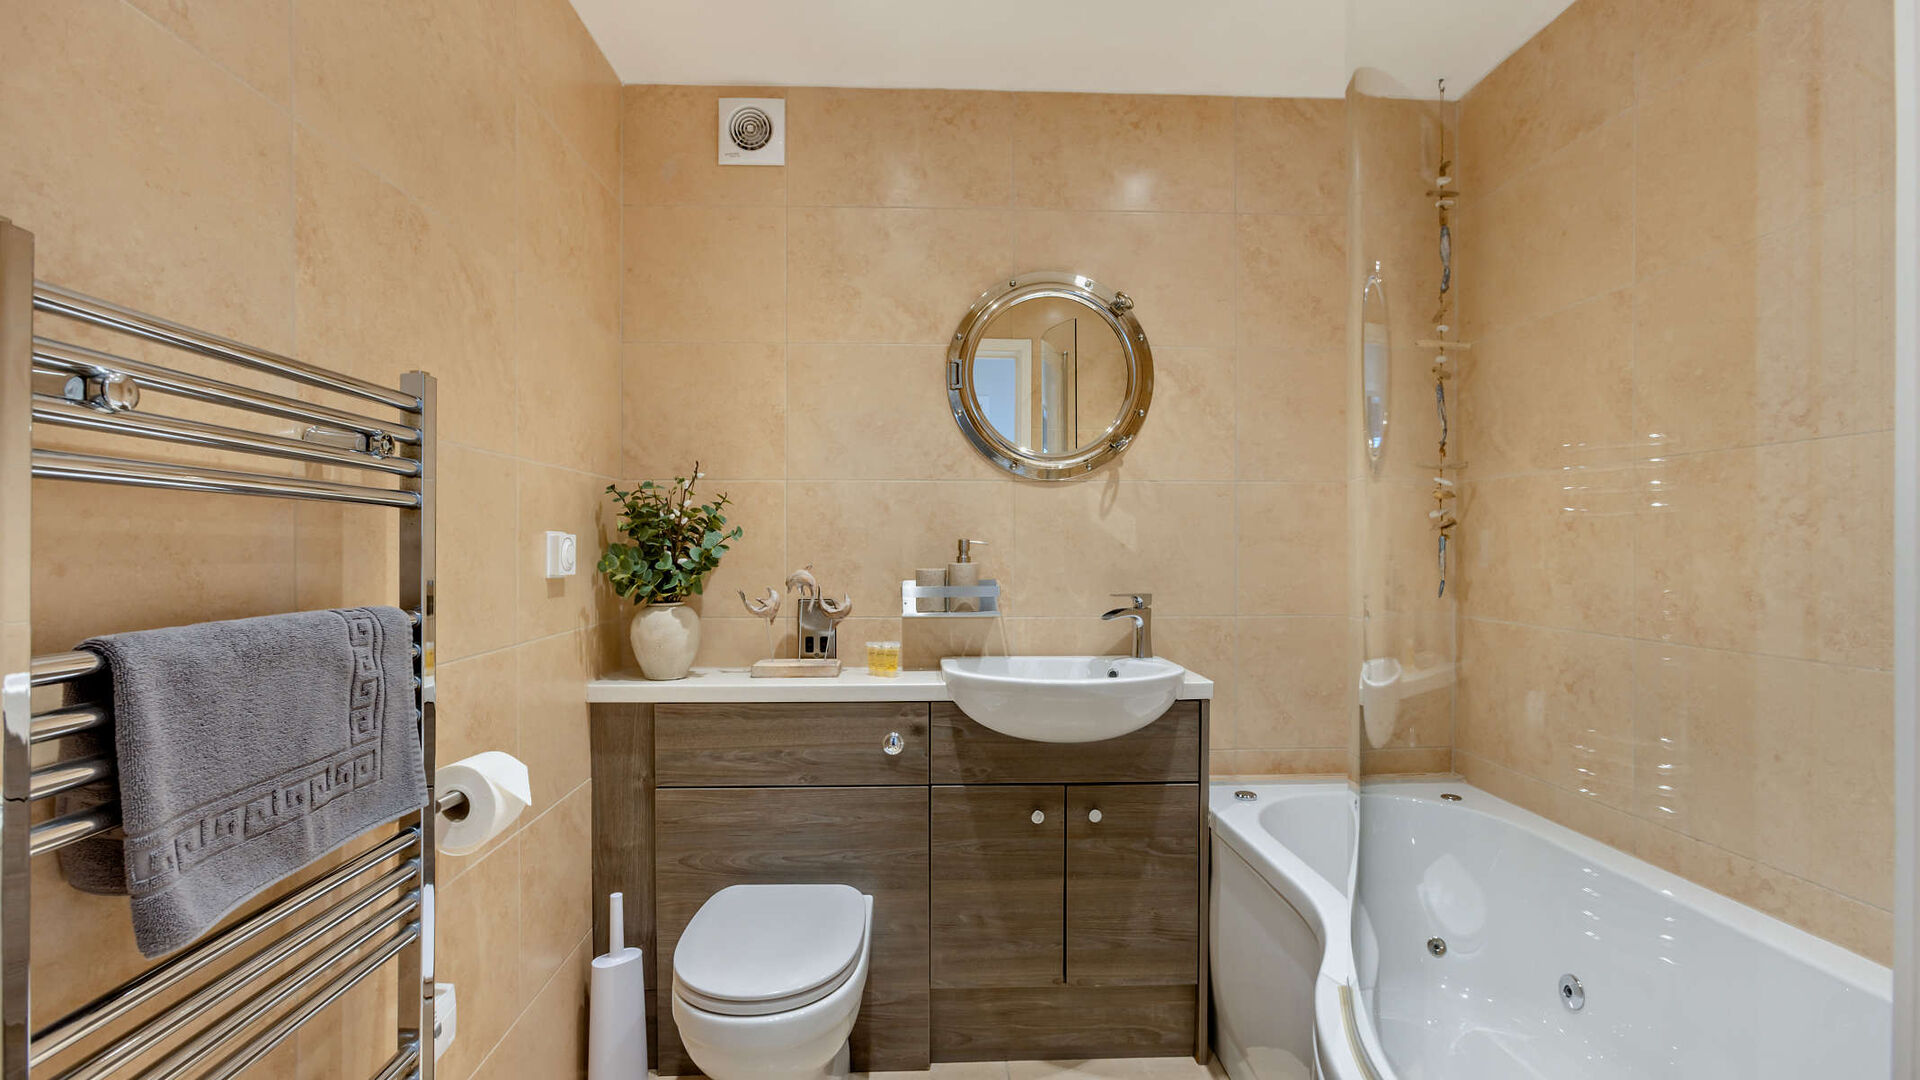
(561, 555)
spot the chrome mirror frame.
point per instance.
(1116, 308)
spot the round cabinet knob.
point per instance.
(1038, 817)
(894, 744)
(1093, 816)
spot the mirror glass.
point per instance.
(1050, 375)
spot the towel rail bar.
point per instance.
(57, 465)
(48, 409)
(205, 1042)
(50, 780)
(163, 1025)
(259, 979)
(65, 666)
(402, 1063)
(260, 1045)
(73, 828)
(72, 721)
(60, 358)
(90, 309)
(104, 1010)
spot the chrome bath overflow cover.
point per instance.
(1449, 796)
(1437, 946)
(1572, 994)
(1245, 796)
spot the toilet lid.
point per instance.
(757, 949)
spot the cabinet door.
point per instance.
(1133, 884)
(998, 876)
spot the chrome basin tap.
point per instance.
(1141, 612)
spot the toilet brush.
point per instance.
(617, 1029)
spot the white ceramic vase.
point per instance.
(665, 639)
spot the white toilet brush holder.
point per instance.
(617, 1003)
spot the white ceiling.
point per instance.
(1268, 48)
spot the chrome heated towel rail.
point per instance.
(226, 1001)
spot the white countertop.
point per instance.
(852, 684)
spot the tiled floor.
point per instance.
(1108, 1069)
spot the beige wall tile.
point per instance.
(200, 228)
(1076, 544)
(1252, 764)
(1290, 155)
(1512, 418)
(1406, 760)
(247, 37)
(416, 94)
(697, 273)
(570, 81)
(1294, 684)
(1779, 549)
(551, 698)
(1695, 184)
(1559, 233)
(723, 405)
(160, 539)
(1190, 424)
(891, 275)
(556, 885)
(481, 910)
(1567, 80)
(478, 567)
(1551, 704)
(1293, 292)
(931, 148)
(1551, 549)
(1676, 38)
(1123, 152)
(1178, 268)
(550, 1038)
(669, 138)
(875, 412)
(384, 286)
(863, 538)
(1290, 414)
(567, 311)
(1291, 558)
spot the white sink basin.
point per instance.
(1062, 699)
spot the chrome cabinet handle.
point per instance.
(1039, 816)
(1093, 816)
(894, 744)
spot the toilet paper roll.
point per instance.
(497, 788)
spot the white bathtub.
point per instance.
(1679, 982)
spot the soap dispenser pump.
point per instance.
(964, 571)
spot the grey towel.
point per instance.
(246, 750)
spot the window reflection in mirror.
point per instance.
(1050, 375)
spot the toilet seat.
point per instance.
(758, 950)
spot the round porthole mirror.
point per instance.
(1050, 376)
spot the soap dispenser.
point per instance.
(964, 571)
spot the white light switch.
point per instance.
(560, 554)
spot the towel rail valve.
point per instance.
(103, 391)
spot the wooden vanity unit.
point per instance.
(1031, 900)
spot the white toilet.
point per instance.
(767, 980)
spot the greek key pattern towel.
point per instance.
(246, 750)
